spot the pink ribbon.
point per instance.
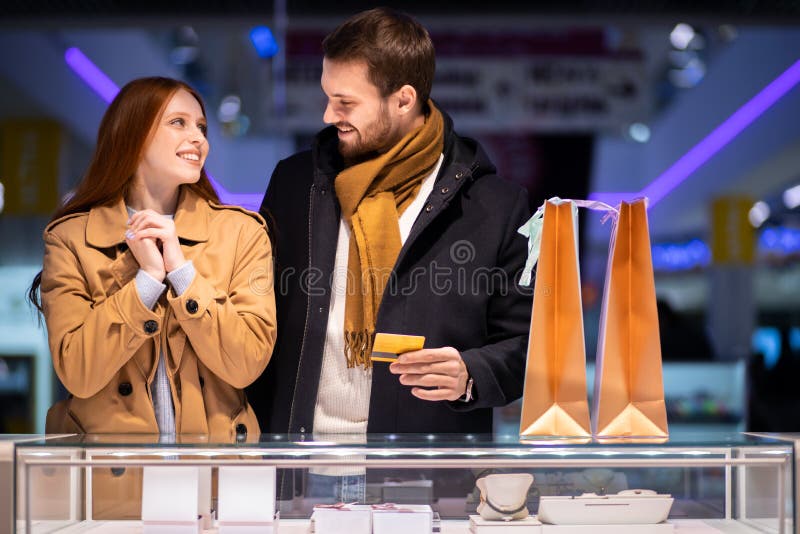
(342, 506)
(390, 507)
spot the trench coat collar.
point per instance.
(107, 225)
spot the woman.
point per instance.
(158, 299)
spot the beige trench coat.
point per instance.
(217, 336)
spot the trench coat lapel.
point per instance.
(107, 224)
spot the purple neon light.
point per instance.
(91, 74)
(723, 134)
(101, 84)
(251, 201)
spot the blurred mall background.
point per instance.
(693, 104)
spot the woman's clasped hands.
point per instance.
(153, 241)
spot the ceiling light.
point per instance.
(758, 213)
(681, 35)
(229, 108)
(791, 197)
(264, 42)
(639, 132)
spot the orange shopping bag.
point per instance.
(555, 399)
(629, 390)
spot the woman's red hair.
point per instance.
(124, 131)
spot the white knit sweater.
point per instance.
(343, 397)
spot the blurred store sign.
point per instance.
(779, 241)
(544, 93)
(671, 257)
(776, 243)
(489, 81)
(30, 165)
(573, 94)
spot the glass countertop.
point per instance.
(408, 442)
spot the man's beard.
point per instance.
(376, 138)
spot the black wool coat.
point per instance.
(455, 283)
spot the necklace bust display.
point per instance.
(504, 496)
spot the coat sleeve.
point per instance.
(233, 332)
(89, 340)
(498, 368)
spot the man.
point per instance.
(392, 223)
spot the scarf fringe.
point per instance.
(358, 348)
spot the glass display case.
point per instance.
(733, 483)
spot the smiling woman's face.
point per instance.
(177, 150)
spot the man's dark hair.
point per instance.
(396, 48)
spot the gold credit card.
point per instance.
(387, 347)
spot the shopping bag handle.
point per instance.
(532, 229)
(611, 211)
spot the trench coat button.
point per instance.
(125, 389)
(241, 429)
(150, 327)
(191, 306)
(428, 208)
(117, 471)
(459, 175)
(445, 190)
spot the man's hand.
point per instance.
(441, 369)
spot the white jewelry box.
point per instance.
(170, 500)
(639, 507)
(402, 519)
(246, 502)
(342, 519)
(658, 528)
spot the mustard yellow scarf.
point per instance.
(373, 194)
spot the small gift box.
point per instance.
(401, 518)
(342, 518)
